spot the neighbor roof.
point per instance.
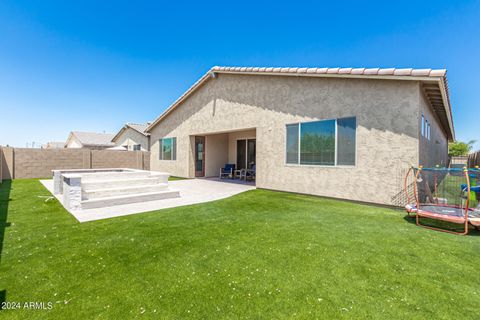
(94, 138)
(139, 127)
(56, 144)
(434, 82)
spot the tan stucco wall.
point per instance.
(130, 137)
(387, 130)
(216, 154)
(434, 151)
(73, 143)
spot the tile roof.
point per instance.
(344, 71)
(140, 127)
(94, 138)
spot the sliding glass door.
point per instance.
(246, 153)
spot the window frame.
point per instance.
(336, 165)
(422, 130)
(173, 146)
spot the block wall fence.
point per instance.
(21, 163)
(474, 159)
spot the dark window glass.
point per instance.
(346, 128)
(251, 152)
(160, 153)
(168, 149)
(317, 143)
(292, 143)
(174, 148)
(241, 154)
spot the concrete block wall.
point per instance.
(33, 163)
(146, 160)
(6, 160)
(117, 159)
(19, 163)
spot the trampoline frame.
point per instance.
(431, 215)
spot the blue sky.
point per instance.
(94, 65)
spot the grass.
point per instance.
(173, 178)
(260, 254)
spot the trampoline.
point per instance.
(446, 194)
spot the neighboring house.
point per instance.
(336, 132)
(133, 137)
(89, 140)
(54, 145)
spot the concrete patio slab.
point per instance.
(192, 191)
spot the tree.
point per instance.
(459, 148)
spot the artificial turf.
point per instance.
(173, 178)
(260, 254)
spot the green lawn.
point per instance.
(260, 254)
(173, 178)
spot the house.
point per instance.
(346, 133)
(54, 145)
(89, 140)
(133, 137)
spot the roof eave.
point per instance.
(119, 133)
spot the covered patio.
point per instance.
(213, 151)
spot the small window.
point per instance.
(423, 125)
(168, 149)
(137, 147)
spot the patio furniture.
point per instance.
(227, 171)
(238, 173)
(250, 173)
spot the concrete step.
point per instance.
(125, 182)
(114, 175)
(118, 191)
(130, 198)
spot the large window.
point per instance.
(326, 142)
(292, 143)
(346, 129)
(168, 149)
(317, 143)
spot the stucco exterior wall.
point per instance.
(387, 130)
(434, 151)
(130, 137)
(73, 143)
(216, 154)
